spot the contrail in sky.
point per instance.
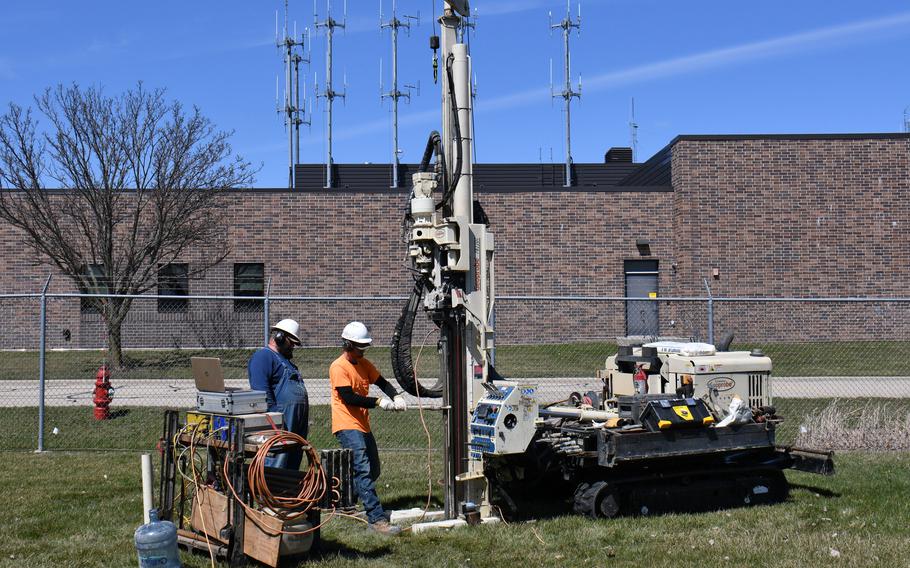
(764, 49)
(713, 59)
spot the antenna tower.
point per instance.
(394, 24)
(907, 119)
(633, 131)
(567, 93)
(329, 94)
(292, 109)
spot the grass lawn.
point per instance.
(138, 428)
(860, 358)
(80, 510)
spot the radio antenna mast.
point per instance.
(633, 131)
(567, 94)
(292, 110)
(907, 119)
(329, 94)
(395, 24)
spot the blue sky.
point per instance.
(721, 67)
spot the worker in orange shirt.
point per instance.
(351, 375)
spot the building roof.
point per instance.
(488, 178)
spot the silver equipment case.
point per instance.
(233, 402)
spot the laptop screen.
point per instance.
(207, 374)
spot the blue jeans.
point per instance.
(366, 469)
(292, 401)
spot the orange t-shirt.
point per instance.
(343, 373)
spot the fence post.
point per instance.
(710, 312)
(265, 312)
(42, 342)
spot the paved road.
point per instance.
(181, 393)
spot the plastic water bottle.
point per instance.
(156, 543)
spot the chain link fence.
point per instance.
(841, 370)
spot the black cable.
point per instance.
(459, 150)
(402, 360)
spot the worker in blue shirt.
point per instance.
(270, 370)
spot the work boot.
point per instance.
(383, 527)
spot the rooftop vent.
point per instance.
(618, 155)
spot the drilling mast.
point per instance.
(567, 93)
(329, 94)
(452, 260)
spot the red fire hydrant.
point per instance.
(104, 393)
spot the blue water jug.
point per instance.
(156, 543)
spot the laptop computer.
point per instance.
(208, 375)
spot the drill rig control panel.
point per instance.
(503, 421)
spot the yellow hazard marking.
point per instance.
(652, 294)
(683, 412)
(707, 420)
(664, 424)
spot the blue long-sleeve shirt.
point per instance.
(265, 370)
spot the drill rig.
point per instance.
(452, 258)
(608, 450)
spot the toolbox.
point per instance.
(667, 414)
(632, 406)
(231, 402)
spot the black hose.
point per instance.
(459, 150)
(402, 361)
(432, 144)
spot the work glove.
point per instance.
(400, 403)
(385, 403)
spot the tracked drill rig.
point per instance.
(606, 453)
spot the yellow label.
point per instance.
(652, 294)
(664, 424)
(683, 412)
(707, 420)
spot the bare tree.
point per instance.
(137, 181)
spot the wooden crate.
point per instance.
(263, 541)
(210, 512)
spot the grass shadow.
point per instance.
(119, 413)
(817, 490)
(328, 549)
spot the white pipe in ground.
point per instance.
(146, 486)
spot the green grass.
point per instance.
(858, 358)
(80, 510)
(136, 428)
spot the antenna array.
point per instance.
(567, 93)
(329, 94)
(633, 131)
(394, 24)
(292, 109)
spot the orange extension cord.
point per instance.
(312, 487)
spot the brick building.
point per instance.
(755, 215)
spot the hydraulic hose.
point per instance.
(459, 150)
(402, 360)
(433, 144)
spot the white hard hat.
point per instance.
(290, 327)
(357, 332)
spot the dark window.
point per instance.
(96, 284)
(173, 280)
(249, 280)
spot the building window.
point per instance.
(173, 280)
(249, 280)
(97, 284)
